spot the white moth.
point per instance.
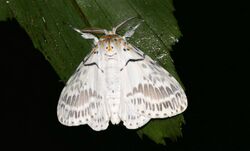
(118, 82)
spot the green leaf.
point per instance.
(48, 23)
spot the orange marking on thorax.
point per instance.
(108, 39)
(109, 47)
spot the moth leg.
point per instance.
(131, 31)
(87, 35)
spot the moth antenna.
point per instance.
(122, 23)
(87, 35)
(95, 31)
(130, 32)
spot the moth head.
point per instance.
(110, 43)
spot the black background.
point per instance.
(211, 59)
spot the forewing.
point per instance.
(149, 91)
(82, 99)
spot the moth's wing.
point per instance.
(149, 91)
(128, 111)
(82, 99)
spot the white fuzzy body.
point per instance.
(113, 87)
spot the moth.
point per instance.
(117, 82)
